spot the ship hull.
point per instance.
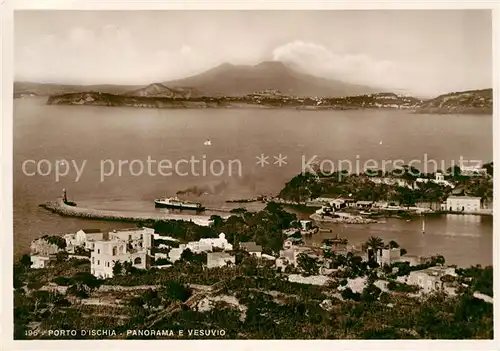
(179, 206)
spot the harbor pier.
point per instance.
(60, 207)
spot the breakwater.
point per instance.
(63, 209)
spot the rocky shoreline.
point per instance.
(343, 220)
(373, 101)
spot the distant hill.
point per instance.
(239, 80)
(40, 89)
(471, 101)
(160, 90)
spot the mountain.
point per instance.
(160, 90)
(239, 80)
(41, 89)
(471, 101)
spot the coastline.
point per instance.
(247, 102)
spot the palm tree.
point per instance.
(372, 245)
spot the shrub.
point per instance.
(162, 262)
(348, 294)
(64, 281)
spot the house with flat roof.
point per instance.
(463, 203)
(252, 248)
(136, 238)
(429, 280)
(108, 252)
(219, 259)
(87, 237)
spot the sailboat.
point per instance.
(423, 224)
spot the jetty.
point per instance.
(62, 208)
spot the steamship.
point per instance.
(174, 202)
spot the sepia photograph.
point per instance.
(252, 174)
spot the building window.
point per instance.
(98, 262)
(93, 260)
(107, 264)
(114, 251)
(98, 251)
(137, 260)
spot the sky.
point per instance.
(424, 52)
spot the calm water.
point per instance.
(95, 134)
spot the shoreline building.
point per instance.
(463, 203)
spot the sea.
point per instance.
(123, 158)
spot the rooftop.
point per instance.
(251, 246)
(218, 254)
(91, 231)
(464, 197)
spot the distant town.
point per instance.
(465, 102)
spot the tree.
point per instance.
(370, 293)
(117, 268)
(83, 284)
(173, 291)
(439, 259)
(348, 294)
(489, 168)
(393, 244)
(308, 264)
(25, 260)
(217, 220)
(61, 256)
(372, 246)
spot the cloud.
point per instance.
(359, 69)
(185, 50)
(107, 54)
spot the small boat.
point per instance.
(207, 142)
(174, 202)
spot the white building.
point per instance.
(136, 238)
(289, 257)
(87, 237)
(176, 252)
(41, 247)
(305, 224)
(203, 245)
(472, 170)
(310, 280)
(429, 279)
(388, 256)
(390, 181)
(106, 253)
(38, 262)
(219, 259)
(463, 203)
(252, 248)
(439, 179)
